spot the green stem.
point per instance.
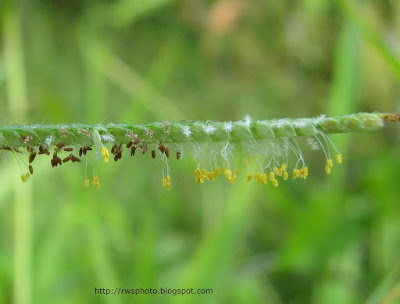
(17, 104)
(14, 136)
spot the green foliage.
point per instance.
(328, 240)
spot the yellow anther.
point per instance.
(263, 179)
(283, 167)
(271, 176)
(328, 169)
(236, 172)
(25, 177)
(339, 158)
(233, 179)
(276, 171)
(218, 170)
(105, 153)
(275, 182)
(285, 175)
(245, 163)
(228, 174)
(166, 182)
(303, 173)
(224, 169)
(296, 173)
(329, 162)
(96, 182)
(249, 177)
(86, 184)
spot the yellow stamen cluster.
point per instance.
(231, 178)
(329, 166)
(329, 163)
(105, 153)
(249, 177)
(300, 173)
(202, 174)
(25, 177)
(261, 178)
(96, 182)
(86, 183)
(166, 182)
(272, 177)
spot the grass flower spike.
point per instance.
(272, 145)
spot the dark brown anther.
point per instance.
(117, 156)
(133, 150)
(85, 149)
(31, 169)
(161, 147)
(165, 126)
(32, 156)
(144, 148)
(61, 145)
(43, 150)
(27, 138)
(114, 149)
(178, 154)
(86, 132)
(80, 151)
(67, 158)
(153, 154)
(137, 141)
(59, 161)
(166, 152)
(75, 159)
(68, 149)
(129, 144)
(53, 162)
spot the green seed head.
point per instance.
(272, 140)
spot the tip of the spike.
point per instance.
(391, 117)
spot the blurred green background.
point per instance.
(329, 239)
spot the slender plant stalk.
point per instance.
(271, 141)
(15, 136)
(17, 104)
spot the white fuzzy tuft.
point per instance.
(299, 124)
(313, 143)
(49, 140)
(107, 138)
(209, 129)
(228, 126)
(186, 131)
(247, 120)
(320, 117)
